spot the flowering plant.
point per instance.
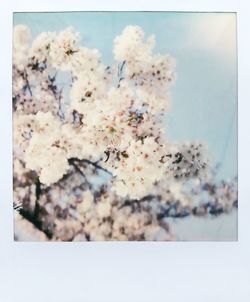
(92, 160)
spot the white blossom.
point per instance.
(21, 40)
(21, 37)
(64, 47)
(41, 46)
(130, 46)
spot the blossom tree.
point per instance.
(92, 159)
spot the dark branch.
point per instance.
(73, 163)
(37, 224)
(94, 164)
(25, 76)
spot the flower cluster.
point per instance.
(151, 74)
(73, 210)
(100, 119)
(77, 121)
(130, 46)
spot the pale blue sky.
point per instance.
(204, 98)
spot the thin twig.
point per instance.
(27, 82)
(94, 164)
(80, 172)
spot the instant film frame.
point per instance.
(122, 156)
(199, 268)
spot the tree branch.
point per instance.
(25, 76)
(94, 164)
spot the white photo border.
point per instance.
(124, 271)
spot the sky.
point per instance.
(204, 98)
